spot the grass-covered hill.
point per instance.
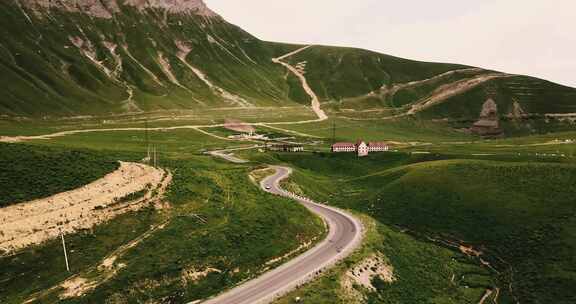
(361, 84)
(63, 62)
(30, 172)
(127, 56)
(520, 214)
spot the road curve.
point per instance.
(345, 234)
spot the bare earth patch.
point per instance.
(192, 274)
(363, 273)
(34, 222)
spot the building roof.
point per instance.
(343, 145)
(377, 144)
(287, 145)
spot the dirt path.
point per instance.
(441, 94)
(399, 86)
(184, 50)
(316, 107)
(487, 294)
(290, 131)
(16, 139)
(446, 91)
(36, 221)
(80, 284)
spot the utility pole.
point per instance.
(333, 133)
(154, 153)
(146, 132)
(65, 254)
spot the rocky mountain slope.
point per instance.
(99, 57)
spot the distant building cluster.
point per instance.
(360, 147)
(286, 148)
(248, 136)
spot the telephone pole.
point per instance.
(147, 140)
(333, 132)
(154, 153)
(65, 253)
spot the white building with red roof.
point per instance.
(360, 147)
(344, 147)
(375, 146)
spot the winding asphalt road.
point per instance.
(345, 234)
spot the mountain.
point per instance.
(102, 57)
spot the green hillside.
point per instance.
(47, 171)
(63, 64)
(519, 214)
(359, 84)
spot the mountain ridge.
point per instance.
(107, 8)
(135, 56)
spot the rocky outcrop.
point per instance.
(107, 8)
(489, 123)
(94, 8)
(197, 7)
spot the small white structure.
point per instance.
(362, 148)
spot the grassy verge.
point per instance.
(423, 273)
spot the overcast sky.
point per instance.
(532, 37)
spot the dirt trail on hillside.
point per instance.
(439, 95)
(17, 139)
(80, 284)
(183, 50)
(486, 295)
(291, 131)
(34, 222)
(316, 107)
(400, 86)
(449, 90)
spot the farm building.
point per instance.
(286, 148)
(343, 147)
(378, 147)
(360, 147)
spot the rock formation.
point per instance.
(489, 123)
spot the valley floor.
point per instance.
(204, 239)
